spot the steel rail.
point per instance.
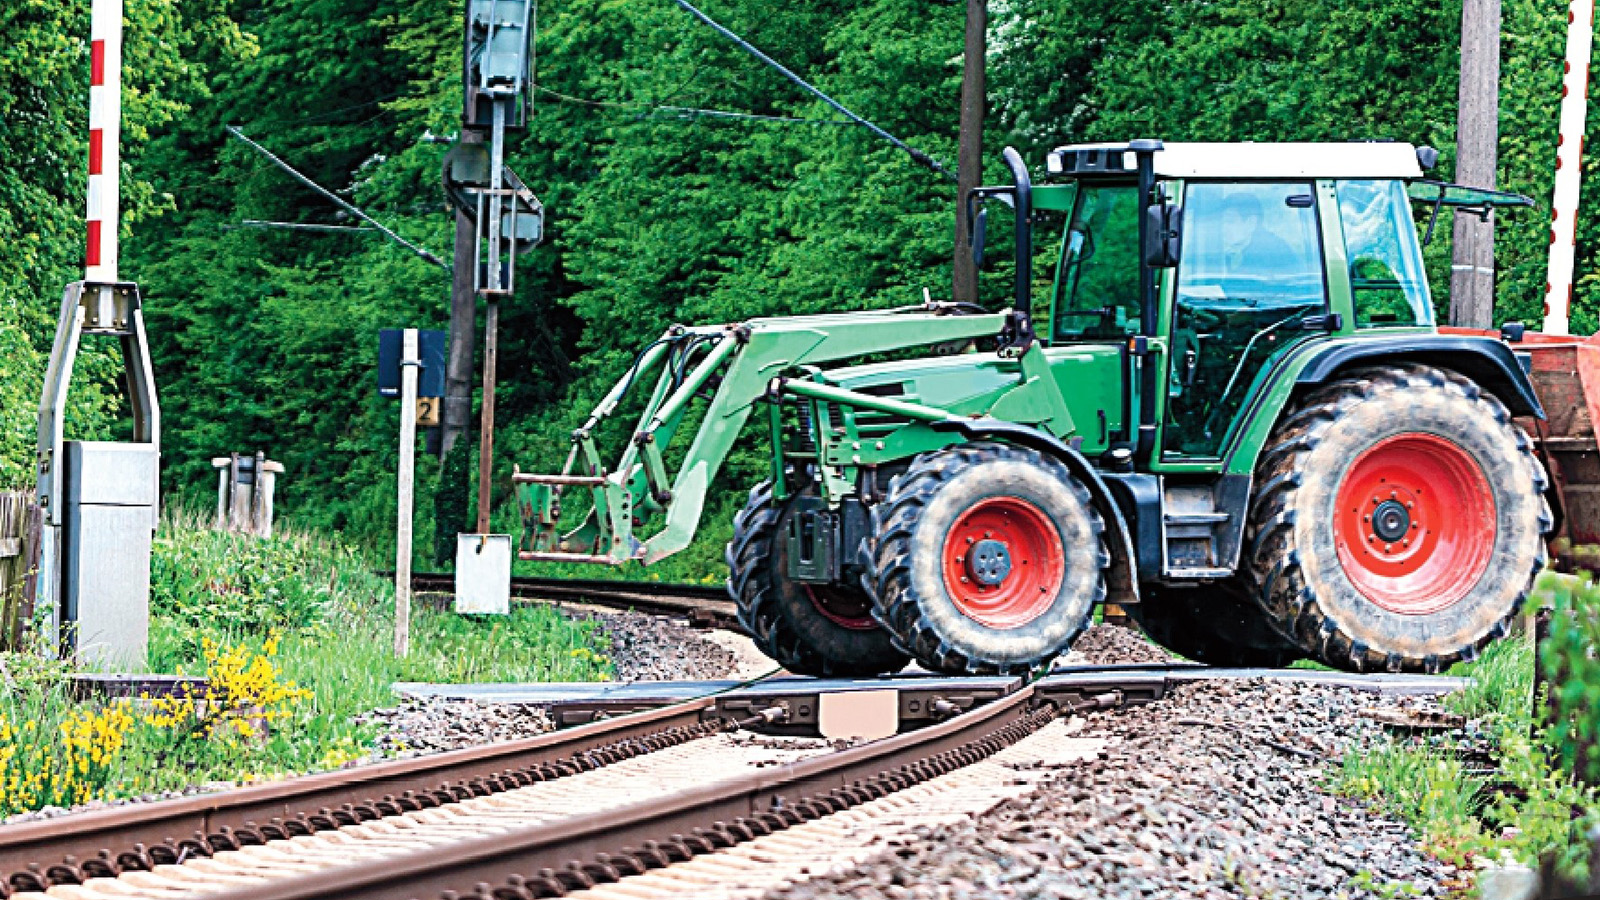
(703, 604)
(600, 847)
(98, 840)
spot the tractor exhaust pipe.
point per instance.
(1022, 197)
(1017, 334)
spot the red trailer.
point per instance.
(1566, 375)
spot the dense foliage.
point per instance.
(1574, 674)
(265, 339)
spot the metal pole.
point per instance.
(969, 161)
(1477, 136)
(408, 452)
(457, 410)
(1569, 150)
(491, 331)
(494, 200)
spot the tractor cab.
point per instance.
(1217, 259)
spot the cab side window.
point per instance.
(1387, 284)
(1251, 272)
(1248, 245)
(1097, 282)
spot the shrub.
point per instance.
(292, 583)
(1571, 660)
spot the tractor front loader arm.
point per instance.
(738, 365)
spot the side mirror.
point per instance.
(980, 228)
(1163, 235)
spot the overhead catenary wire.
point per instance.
(340, 201)
(690, 112)
(921, 157)
(684, 112)
(300, 226)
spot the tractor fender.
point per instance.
(1122, 582)
(1488, 362)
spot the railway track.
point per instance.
(714, 796)
(550, 815)
(704, 605)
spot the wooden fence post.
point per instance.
(20, 524)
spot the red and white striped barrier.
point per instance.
(105, 131)
(1569, 154)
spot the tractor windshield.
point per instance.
(1097, 278)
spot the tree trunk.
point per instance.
(969, 162)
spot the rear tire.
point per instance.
(985, 559)
(822, 630)
(1398, 521)
(1217, 625)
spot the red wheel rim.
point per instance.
(846, 609)
(1021, 567)
(1415, 523)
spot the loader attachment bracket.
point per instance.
(720, 372)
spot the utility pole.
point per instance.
(457, 412)
(969, 161)
(491, 352)
(506, 217)
(1477, 137)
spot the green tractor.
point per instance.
(1234, 418)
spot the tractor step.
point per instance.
(1195, 518)
(1200, 528)
(1198, 573)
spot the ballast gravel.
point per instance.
(1213, 793)
(1113, 645)
(661, 648)
(437, 724)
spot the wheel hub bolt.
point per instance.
(989, 562)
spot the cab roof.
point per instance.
(1246, 160)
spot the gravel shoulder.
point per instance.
(1208, 794)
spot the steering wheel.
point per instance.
(1106, 314)
(1203, 319)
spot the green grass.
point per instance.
(336, 622)
(1423, 786)
(308, 610)
(1531, 808)
(1500, 692)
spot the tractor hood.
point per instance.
(963, 383)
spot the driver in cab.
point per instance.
(1249, 249)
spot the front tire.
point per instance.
(1398, 521)
(822, 630)
(985, 559)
